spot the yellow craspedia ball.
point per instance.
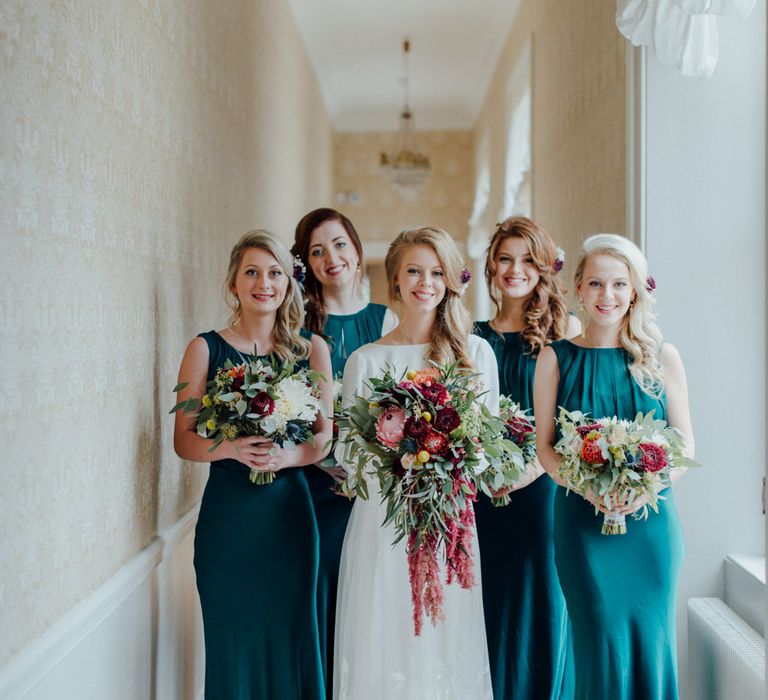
(410, 374)
(427, 416)
(207, 401)
(423, 456)
(373, 404)
(210, 424)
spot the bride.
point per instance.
(377, 655)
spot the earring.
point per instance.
(397, 291)
(632, 304)
(581, 304)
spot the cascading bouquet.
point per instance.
(518, 451)
(427, 438)
(261, 396)
(619, 461)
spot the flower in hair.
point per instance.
(299, 270)
(650, 284)
(464, 278)
(557, 265)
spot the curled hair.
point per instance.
(545, 312)
(286, 340)
(316, 314)
(639, 335)
(450, 335)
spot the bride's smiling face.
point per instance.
(420, 280)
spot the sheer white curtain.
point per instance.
(478, 238)
(680, 32)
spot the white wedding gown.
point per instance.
(377, 656)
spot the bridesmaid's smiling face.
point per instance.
(606, 289)
(261, 283)
(515, 274)
(420, 279)
(332, 255)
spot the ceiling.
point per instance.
(356, 49)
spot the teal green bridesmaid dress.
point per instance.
(345, 334)
(525, 617)
(256, 559)
(619, 589)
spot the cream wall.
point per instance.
(578, 118)
(138, 142)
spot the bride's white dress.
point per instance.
(377, 656)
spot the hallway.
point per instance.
(140, 140)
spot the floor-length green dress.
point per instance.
(619, 589)
(345, 334)
(525, 616)
(256, 559)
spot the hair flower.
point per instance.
(559, 261)
(299, 270)
(650, 284)
(464, 278)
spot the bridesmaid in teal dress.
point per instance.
(256, 547)
(525, 617)
(620, 590)
(330, 249)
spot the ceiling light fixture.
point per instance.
(406, 168)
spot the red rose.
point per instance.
(447, 419)
(654, 457)
(434, 392)
(417, 428)
(518, 428)
(435, 443)
(591, 452)
(262, 404)
(237, 383)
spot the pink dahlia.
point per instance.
(389, 427)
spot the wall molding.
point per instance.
(24, 671)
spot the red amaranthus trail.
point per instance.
(424, 574)
(459, 547)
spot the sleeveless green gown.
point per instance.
(619, 589)
(345, 334)
(525, 617)
(256, 558)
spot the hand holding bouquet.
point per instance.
(427, 438)
(518, 452)
(618, 462)
(258, 397)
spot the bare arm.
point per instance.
(545, 384)
(678, 412)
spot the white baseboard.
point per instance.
(124, 640)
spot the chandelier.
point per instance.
(406, 168)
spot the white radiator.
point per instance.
(726, 657)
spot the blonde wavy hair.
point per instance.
(450, 336)
(286, 340)
(545, 311)
(639, 335)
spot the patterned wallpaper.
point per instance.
(379, 212)
(139, 141)
(579, 119)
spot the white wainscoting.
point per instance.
(138, 637)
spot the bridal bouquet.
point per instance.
(619, 461)
(518, 451)
(427, 438)
(258, 397)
